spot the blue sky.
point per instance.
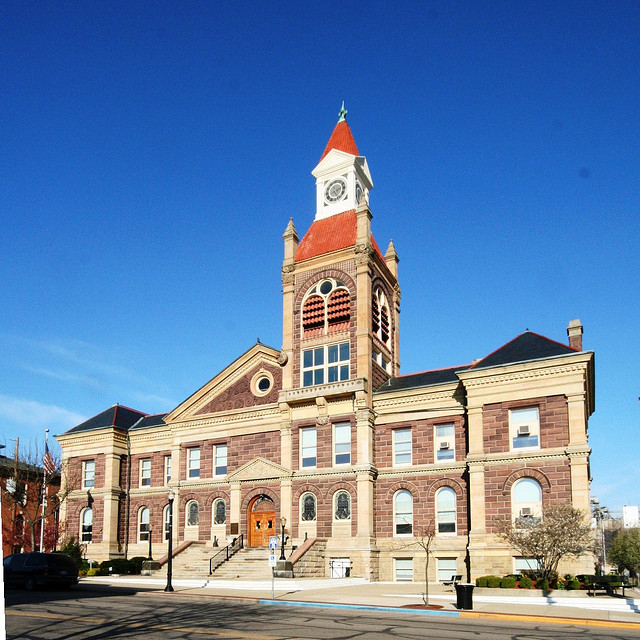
(153, 153)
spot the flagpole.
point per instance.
(44, 489)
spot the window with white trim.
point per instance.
(326, 308)
(403, 513)
(219, 459)
(380, 315)
(403, 569)
(447, 568)
(219, 511)
(446, 511)
(308, 507)
(401, 447)
(526, 501)
(167, 469)
(445, 444)
(326, 363)
(379, 358)
(524, 428)
(143, 525)
(192, 512)
(86, 526)
(145, 472)
(88, 473)
(342, 443)
(342, 505)
(193, 462)
(308, 447)
(521, 564)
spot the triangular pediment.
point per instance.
(259, 469)
(233, 389)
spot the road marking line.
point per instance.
(230, 633)
(579, 622)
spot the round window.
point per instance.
(326, 286)
(264, 384)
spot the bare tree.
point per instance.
(562, 532)
(423, 537)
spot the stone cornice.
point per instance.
(523, 457)
(392, 472)
(331, 390)
(232, 417)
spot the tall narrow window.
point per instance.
(167, 469)
(342, 506)
(193, 462)
(87, 525)
(526, 501)
(524, 428)
(401, 447)
(308, 447)
(220, 459)
(380, 316)
(342, 443)
(88, 473)
(145, 472)
(308, 507)
(143, 524)
(446, 510)
(193, 514)
(219, 511)
(403, 513)
(445, 442)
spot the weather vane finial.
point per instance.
(342, 115)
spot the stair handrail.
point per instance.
(224, 554)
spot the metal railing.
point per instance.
(224, 554)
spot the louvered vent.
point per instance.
(313, 315)
(375, 316)
(339, 310)
(385, 325)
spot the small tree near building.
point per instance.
(562, 532)
(624, 551)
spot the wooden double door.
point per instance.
(262, 521)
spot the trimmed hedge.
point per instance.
(493, 582)
(508, 583)
(542, 584)
(526, 582)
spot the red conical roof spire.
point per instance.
(341, 138)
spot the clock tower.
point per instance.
(342, 175)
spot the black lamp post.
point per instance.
(150, 532)
(283, 521)
(169, 587)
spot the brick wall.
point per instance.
(324, 435)
(244, 448)
(75, 469)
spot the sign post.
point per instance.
(273, 545)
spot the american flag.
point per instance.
(49, 464)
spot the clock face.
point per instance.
(336, 190)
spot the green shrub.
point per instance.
(493, 582)
(481, 581)
(573, 585)
(96, 571)
(74, 549)
(117, 565)
(526, 582)
(135, 565)
(542, 584)
(508, 583)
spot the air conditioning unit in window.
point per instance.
(526, 511)
(524, 430)
(445, 444)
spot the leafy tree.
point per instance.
(562, 532)
(625, 550)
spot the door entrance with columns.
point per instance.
(261, 521)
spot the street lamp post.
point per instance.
(283, 521)
(150, 533)
(169, 586)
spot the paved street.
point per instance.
(96, 612)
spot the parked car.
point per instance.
(30, 570)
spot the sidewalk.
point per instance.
(573, 607)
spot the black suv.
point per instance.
(30, 570)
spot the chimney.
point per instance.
(574, 331)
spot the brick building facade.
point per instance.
(326, 434)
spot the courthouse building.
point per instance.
(325, 435)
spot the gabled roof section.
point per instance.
(331, 234)
(422, 379)
(342, 140)
(117, 417)
(526, 346)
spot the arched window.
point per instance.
(166, 519)
(308, 507)
(143, 524)
(403, 513)
(326, 308)
(446, 510)
(86, 520)
(342, 505)
(219, 511)
(193, 514)
(380, 315)
(526, 501)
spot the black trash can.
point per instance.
(464, 595)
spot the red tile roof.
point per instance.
(342, 140)
(331, 234)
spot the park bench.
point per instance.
(452, 582)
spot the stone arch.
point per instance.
(446, 482)
(337, 486)
(536, 474)
(316, 276)
(260, 491)
(399, 486)
(213, 496)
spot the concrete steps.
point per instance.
(247, 564)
